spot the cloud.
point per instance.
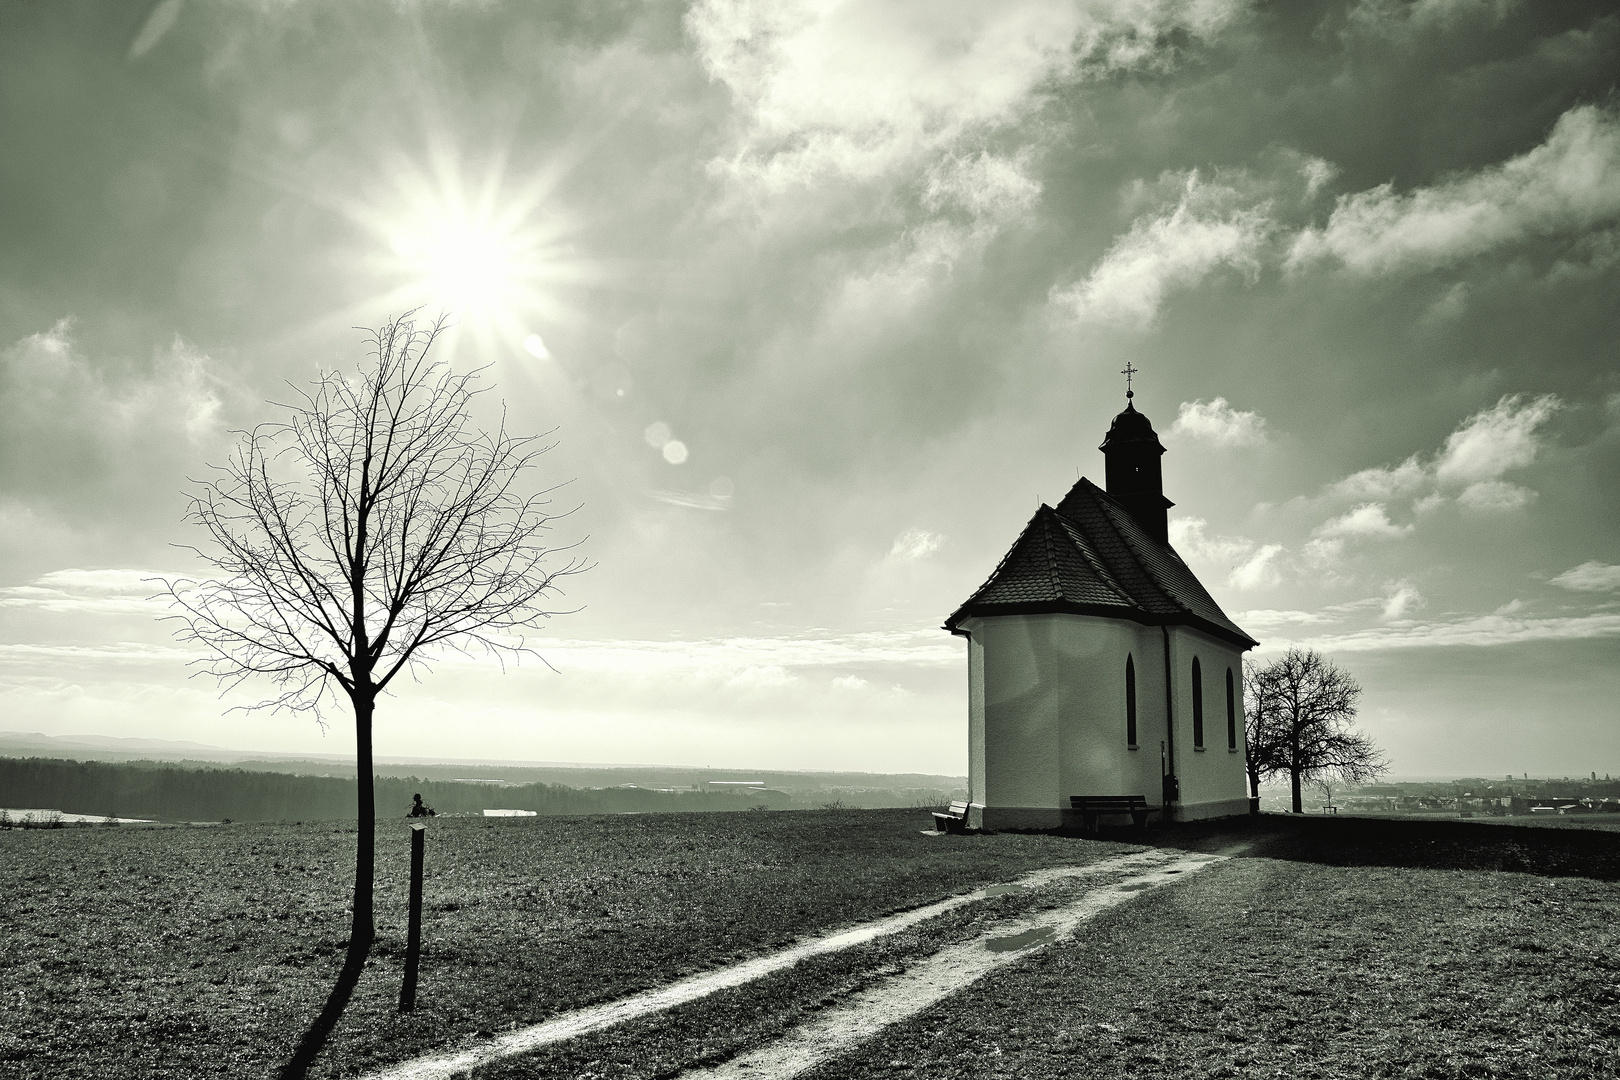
(1479, 631)
(1208, 229)
(1403, 18)
(1259, 570)
(1491, 442)
(1429, 503)
(692, 500)
(1248, 565)
(904, 275)
(1590, 577)
(1323, 551)
(1188, 536)
(1317, 172)
(915, 544)
(1369, 520)
(1403, 599)
(1495, 496)
(983, 184)
(718, 495)
(1566, 186)
(116, 652)
(725, 658)
(866, 92)
(71, 425)
(158, 23)
(1451, 305)
(1217, 422)
(92, 592)
(1270, 618)
(1381, 482)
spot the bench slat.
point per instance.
(952, 820)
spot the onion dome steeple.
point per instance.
(1132, 450)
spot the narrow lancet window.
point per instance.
(1130, 700)
(1231, 712)
(1198, 704)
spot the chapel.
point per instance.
(1097, 663)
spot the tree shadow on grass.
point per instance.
(315, 1038)
(1549, 851)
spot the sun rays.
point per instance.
(493, 254)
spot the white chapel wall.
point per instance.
(1047, 717)
(1047, 699)
(975, 722)
(1022, 704)
(1212, 779)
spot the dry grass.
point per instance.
(1350, 948)
(179, 952)
(1348, 952)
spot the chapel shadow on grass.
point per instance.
(1413, 843)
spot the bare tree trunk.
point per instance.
(409, 528)
(362, 927)
(1293, 779)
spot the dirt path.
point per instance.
(864, 1014)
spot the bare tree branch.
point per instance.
(1300, 713)
(373, 524)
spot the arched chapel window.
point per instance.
(1130, 700)
(1198, 704)
(1231, 713)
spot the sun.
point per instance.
(494, 256)
(470, 267)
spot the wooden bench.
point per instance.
(952, 819)
(1090, 806)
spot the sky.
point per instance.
(820, 301)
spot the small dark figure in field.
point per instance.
(419, 810)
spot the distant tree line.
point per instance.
(168, 793)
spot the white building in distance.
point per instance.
(1097, 663)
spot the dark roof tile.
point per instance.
(1090, 556)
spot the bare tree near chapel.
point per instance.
(1300, 713)
(1262, 750)
(372, 524)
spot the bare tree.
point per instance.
(1300, 712)
(1264, 738)
(374, 523)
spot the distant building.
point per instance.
(1097, 663)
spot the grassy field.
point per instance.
(1355, 948)
(184, 952)
(1363, 950)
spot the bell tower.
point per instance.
(1135, 479)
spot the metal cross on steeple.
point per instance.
(1128, 372)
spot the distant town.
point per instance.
(1469, 797)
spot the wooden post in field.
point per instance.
(413, 934)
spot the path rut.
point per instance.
(861, 1016)
(842, 1026)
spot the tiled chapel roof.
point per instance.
(1090, 557)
